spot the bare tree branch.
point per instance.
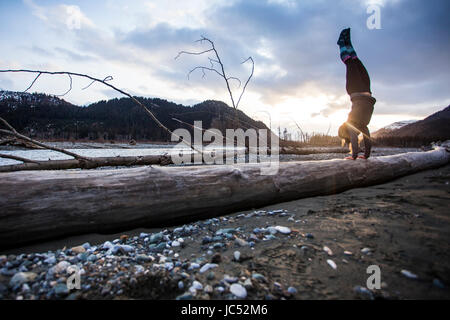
(70, 88)
(32, 83)
(203, 69)
(8, 156)
(108, 78)
(192, 53)
(10, 127)
(248, 80)
(220, 72)
(20, 136)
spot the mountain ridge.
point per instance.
(435, 127)
(50, 117)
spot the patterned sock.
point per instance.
(345, 46)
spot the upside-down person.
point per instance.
(358, 87)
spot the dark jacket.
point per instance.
(362, 110)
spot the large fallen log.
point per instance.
(38, 205)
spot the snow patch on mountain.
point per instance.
(399, 124)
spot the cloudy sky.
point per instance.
(298, 74)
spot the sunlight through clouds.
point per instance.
(298, 73)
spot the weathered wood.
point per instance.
(312, 150)
(38, 205)
(91, 164)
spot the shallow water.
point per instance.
(42, 155)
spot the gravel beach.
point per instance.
(314, 248)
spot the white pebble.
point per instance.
(283, 230)
(207, 266)
(238, 290)
(328, 250)
(332, 264)
(237, 255)
(409, 274)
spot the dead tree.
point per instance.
(220, 70)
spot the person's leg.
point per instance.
(345, 45)
(357, 78)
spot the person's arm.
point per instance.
(367, 142)
(354, 142)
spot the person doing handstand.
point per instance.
(358, 87)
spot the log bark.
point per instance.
(307, 151)
(38, 205)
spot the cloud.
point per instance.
(74, 55)
(293, 44)
(60, 16)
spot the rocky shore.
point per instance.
(316, 248)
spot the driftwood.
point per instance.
(312, 150)
(38, 205)
(97, 162)
(91, 164)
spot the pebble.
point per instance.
(208, 266)
(216, 258)
(332, 264)
(259, 276)
(237, 255)
(348, 253)
(196, 285)
(230, 279)
(193, 265)
(238, 290)
(365, 250)
(328, 250)
(292, 290)
(107, 245)
(25, 288)
(86, 245)
(61, 290)
(176, 243)
(225, 231)
(283, 230)
(155, 238)
(78, 249)
(438, 283)
(126, 248)
(185, 296)
(180, 285)
(309, 236)
(50, 260)
(363, 291)
(409, 274)
(211, 276)
(60, 267)
(21, 278)
(208, 289)
(240, 242)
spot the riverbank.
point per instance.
(284, 251)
